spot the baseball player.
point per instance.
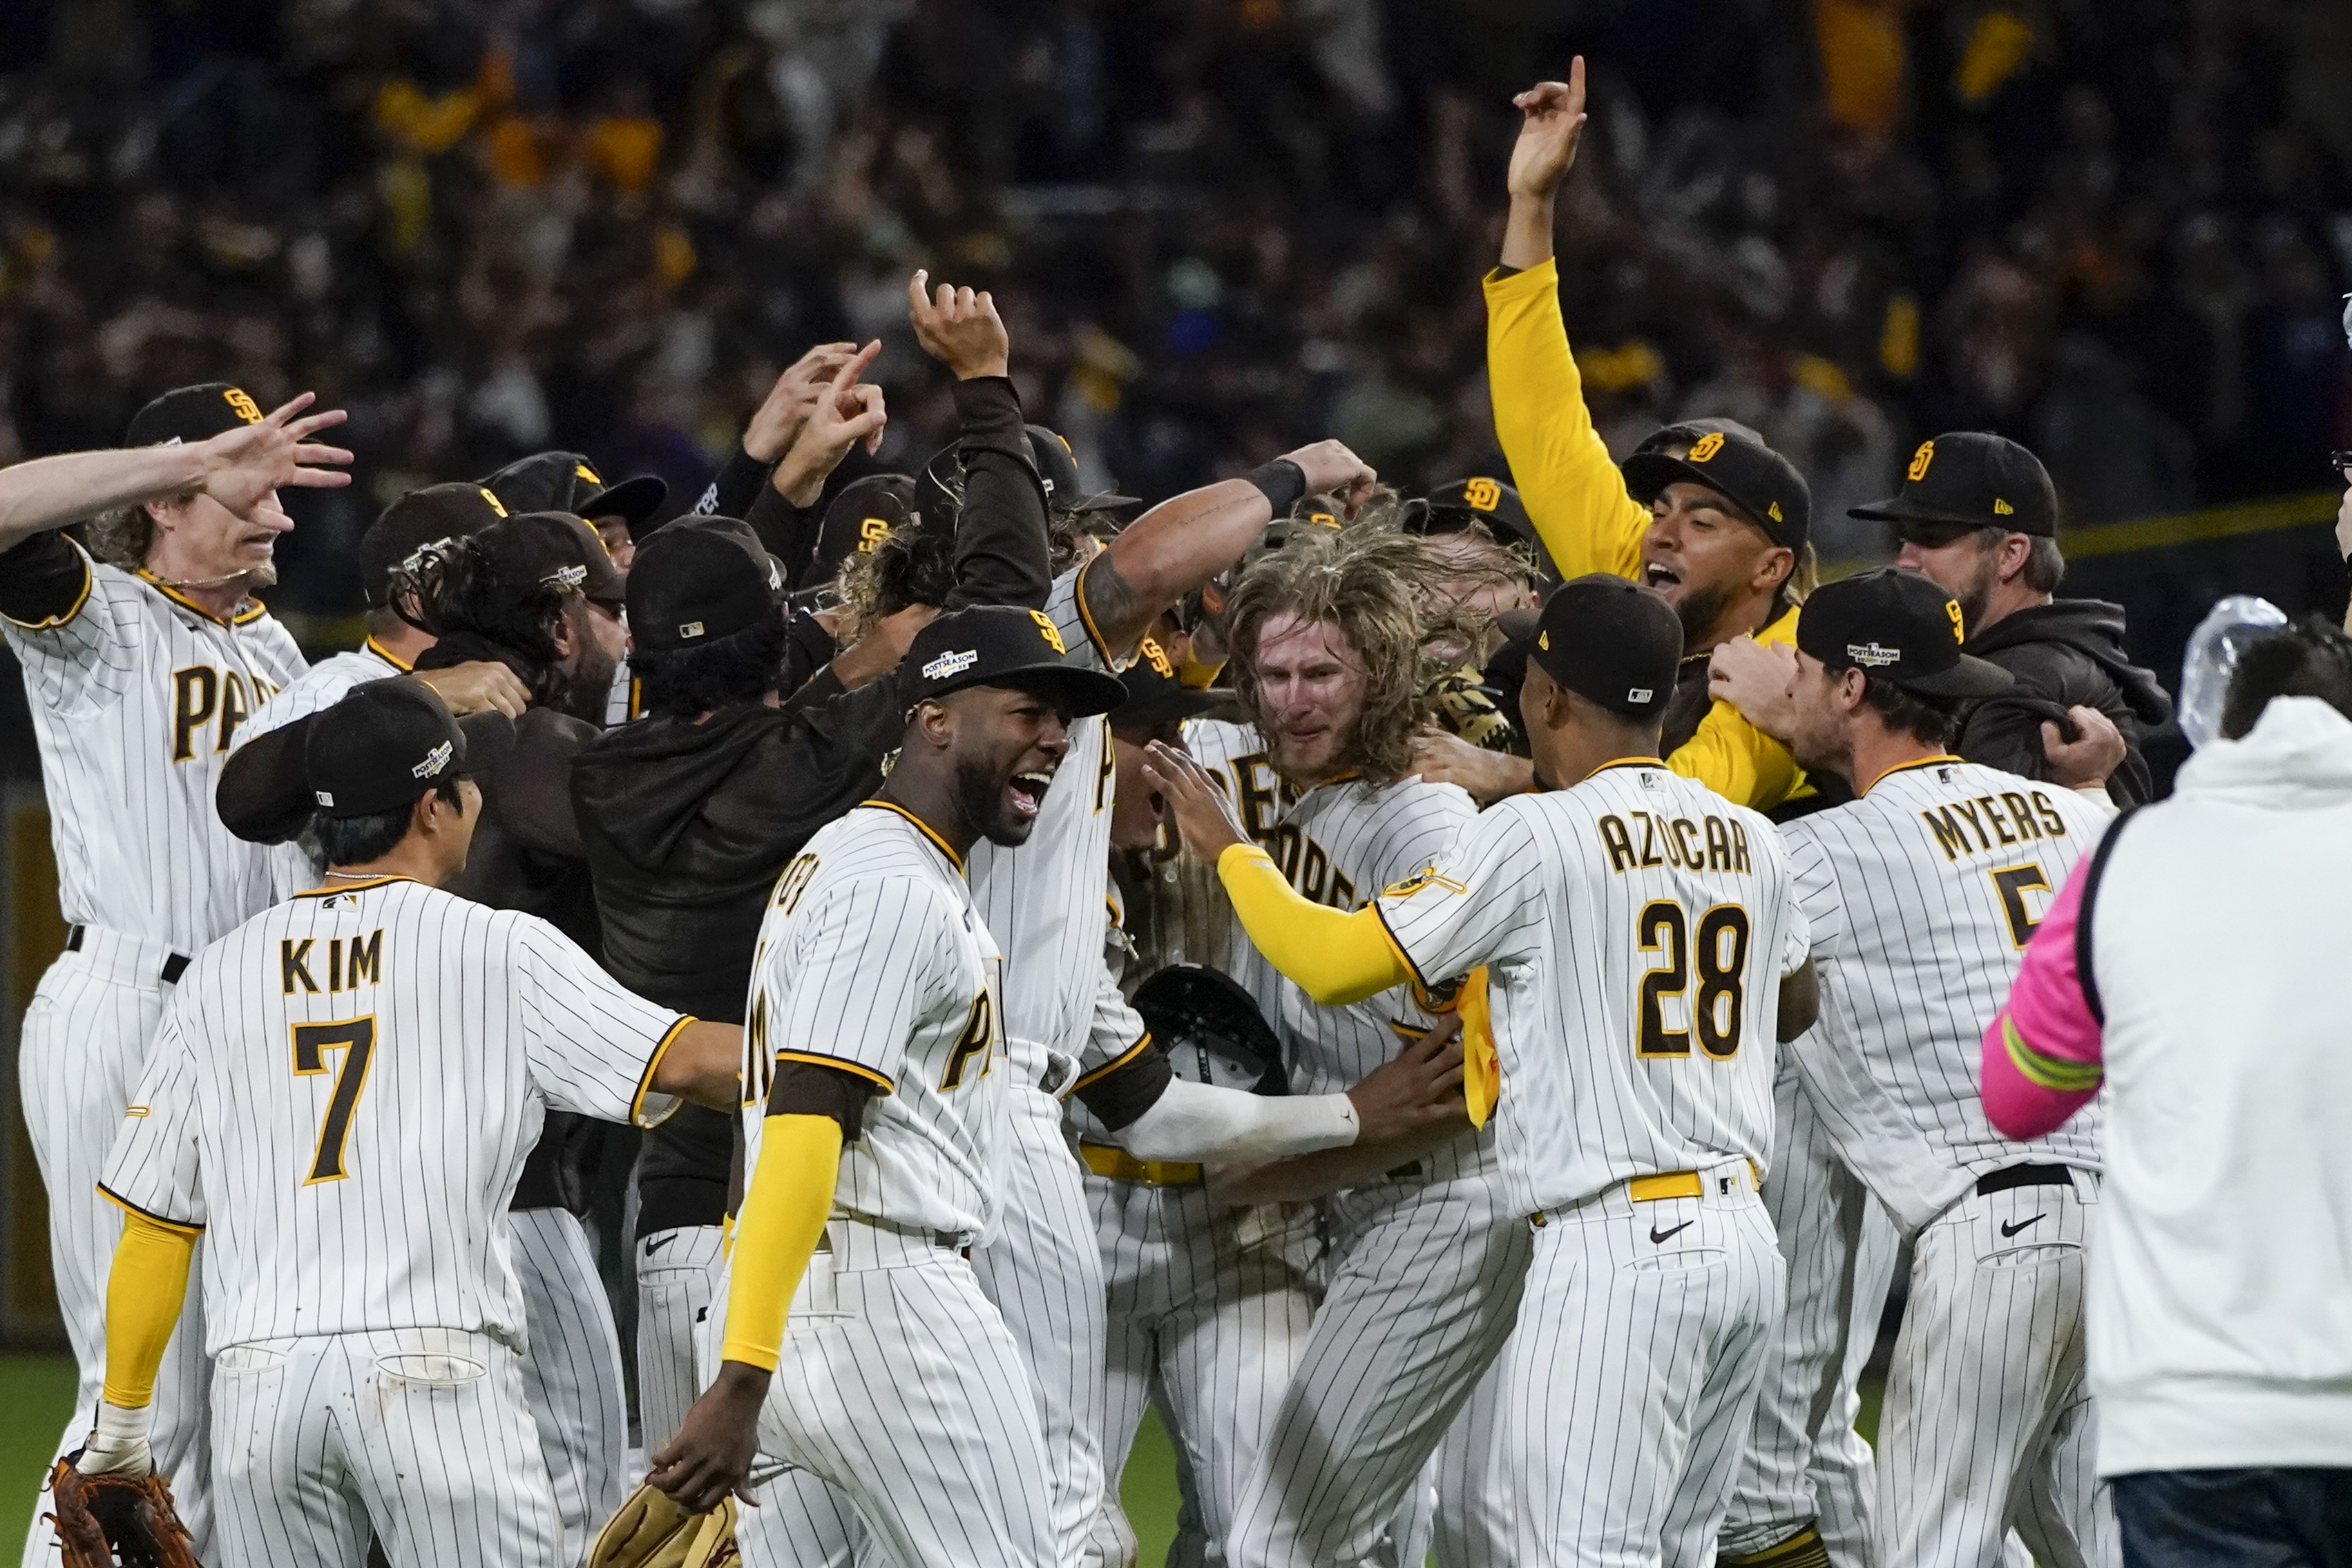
(420, 518)
(1703, 513)
(1326, 635)
(1921, 896)
(297, 1109)
(1045, 902)
(1208, 1305)
(1638, 930)
(1804, 1497)
(140, 667)
(875, 1106)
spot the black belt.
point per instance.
(173, 966)
(945, 1240)
(2003, 1181)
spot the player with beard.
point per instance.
(1705, 514)
(1328, 635)
(1978, 516)
(873, 1124)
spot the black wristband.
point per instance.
(734, 488)
(1281, 482)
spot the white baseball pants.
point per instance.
(571, 1370)
(418, 1437)
(83, 1042)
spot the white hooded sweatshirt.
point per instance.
(2219, 1305)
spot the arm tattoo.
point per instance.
(1118, 610)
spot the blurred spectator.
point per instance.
(501, 224)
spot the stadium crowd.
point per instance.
(2113, 231)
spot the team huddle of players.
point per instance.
(1454, 1002)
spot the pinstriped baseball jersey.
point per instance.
(1637, 926)
(342, 1094)
(1044, 900)
(137, 696)
(320, 687)
(873, 961)
(1340, 844)
(1921, 896)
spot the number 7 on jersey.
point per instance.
(355, 1038)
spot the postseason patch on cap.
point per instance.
(435, 761)
(566, 577)
(1872, 655)
(950, 665)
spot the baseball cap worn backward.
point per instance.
(1000, 645)
(1751, 476)
(1972, 479)
(1610, 639)
(389, 742)
(700, 579)
(420, 518)
(195, 413)
(1898, 626)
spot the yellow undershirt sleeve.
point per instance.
(1334, 956)
(1574, 494)
(776, 1232)
(145, 1290)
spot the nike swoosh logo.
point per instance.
(658, 1243)
(2010, 1230)
(1658, 1235)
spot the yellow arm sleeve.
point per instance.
(776, 1232)
(1574, 494)
(143, 1294)
(1333, 955)
(1734, 758)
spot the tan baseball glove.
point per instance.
(650, 1531)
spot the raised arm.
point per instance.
(239, 468)
(1183, 542)
(1573, 492)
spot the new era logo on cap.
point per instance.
(435, 761)
(1872, 655)
(1639, 694)
(325, 797)
(950, 665)
(690, 629)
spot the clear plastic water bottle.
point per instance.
(2212, 658)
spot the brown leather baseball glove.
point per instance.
(117, 1522)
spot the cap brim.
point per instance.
(1103, 501)
(1168, 707)
(1903, 508)
(1090, 691)
(489, 739)
(1972, 677)
(632, 501)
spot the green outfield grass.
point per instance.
(35, 1393)
(36, 1396)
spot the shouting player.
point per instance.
(140, 667)
(1922, 895)
(340, 1098)
(874, 1089)
(1639, 932)
(1704, 514)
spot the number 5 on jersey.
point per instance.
(356, 1039)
